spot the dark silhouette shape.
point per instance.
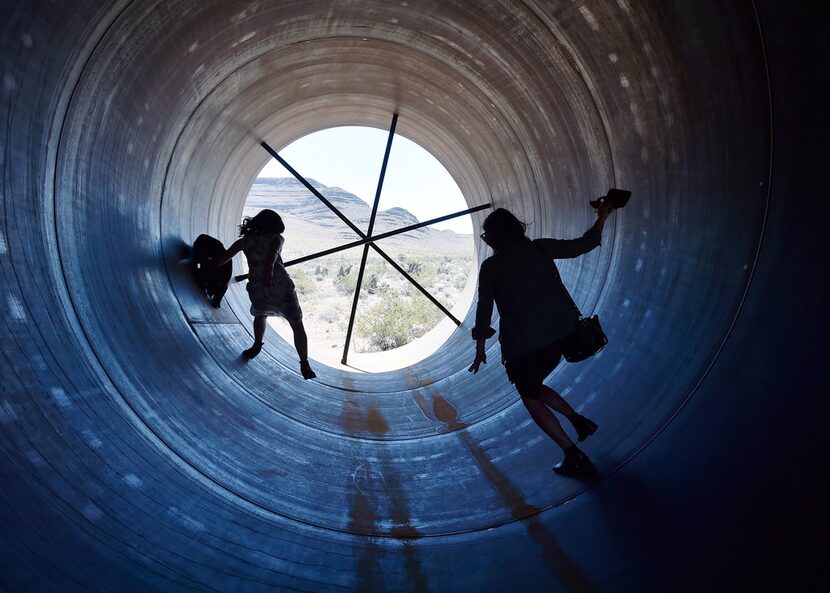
(537, 320)
(213, 281)
(617, 198)
(269, 286)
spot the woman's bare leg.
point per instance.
(259, 328)
(259, 332)
(301, 344)
(552, 399)
(300, 339)
(547, 421)
(584, 427)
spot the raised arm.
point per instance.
(567, 248)
(228, 255)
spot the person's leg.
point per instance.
(301, 344)
(300, 339)
(575, 463)
(583, 426)
(259, 328)
(259, 332)
(547, 421)
(553, 400)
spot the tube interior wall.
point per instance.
(134, 435)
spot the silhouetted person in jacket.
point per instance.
(537, 318)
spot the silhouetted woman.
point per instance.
(269, 286)
(537, 318)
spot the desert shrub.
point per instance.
(346, 280)
(426, 275)
(447, 266)
(413, 267)
(320, 272)
(372, 283)
(462, 268)
(376, 277)
(303, 280)
(329, 314)
(424, 272)
(394, 322)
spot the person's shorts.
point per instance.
(527, 372)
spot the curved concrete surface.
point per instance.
(140, 454)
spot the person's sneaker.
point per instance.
(252, 352)
(575, 465)
(306, 371)
(584, 427)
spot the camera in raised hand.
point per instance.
(615, 198)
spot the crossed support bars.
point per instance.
(367, 239)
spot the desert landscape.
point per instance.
(391, 311)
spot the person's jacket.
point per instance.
(533, 304)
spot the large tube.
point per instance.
(140, 454)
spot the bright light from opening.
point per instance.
(395, 325)
(350, 158)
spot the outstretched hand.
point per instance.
(481, 357)
(604, 210)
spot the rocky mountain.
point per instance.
(311, 226)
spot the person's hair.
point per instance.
(265, 222)
(501, 226)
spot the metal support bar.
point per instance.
(312, 189)
(406, 275)
(382, 173)
(414, 282)
(369, 233)
(385, 235)
(361, 234)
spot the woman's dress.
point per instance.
(279, 298)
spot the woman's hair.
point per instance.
(265, 222)
(501, 226)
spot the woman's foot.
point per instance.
(252, 352)
(306, 371)
(584, 427)
(575, 465)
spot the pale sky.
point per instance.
(351, 157)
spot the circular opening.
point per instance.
(394, 324)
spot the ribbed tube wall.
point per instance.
(141, 455)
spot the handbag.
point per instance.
(588, 339)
